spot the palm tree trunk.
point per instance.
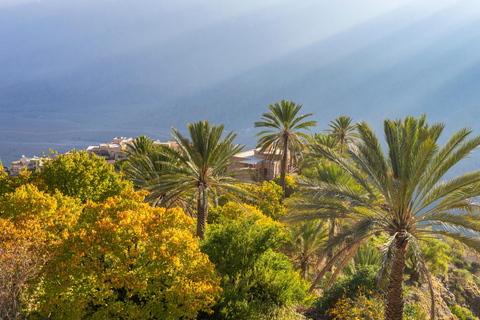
(201, 217)
(331, 235)
(303, 268)
(395, 302)
(283, 166)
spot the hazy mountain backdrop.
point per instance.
(79, 72)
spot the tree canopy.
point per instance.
(403, 194)
(282, 134)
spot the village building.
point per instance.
(258, 166)
(171, 144)
(30, 164)
(113, 151)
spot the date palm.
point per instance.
(304, 243)
(342, 130)
(404, 195)
(139, 146)
(199, 171)
(282, 134)
(145, 164)
(308, 200)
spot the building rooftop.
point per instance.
(251, 160)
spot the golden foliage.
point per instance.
(364, 306)
(125, 259)
(29, 220)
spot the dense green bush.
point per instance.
(413, 312)
(255, 278)
(365, 277)
(462, 313)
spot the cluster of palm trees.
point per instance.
(349, 189)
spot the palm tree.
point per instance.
(281, 134)
(144, 166)
(199, 171)
(342, 131)
(308, 198)
(366, 255)
(404, 195)
(140, 146)
(304, 243)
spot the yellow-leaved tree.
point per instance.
(127, 260)
(30, 221)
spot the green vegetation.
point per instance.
(83, 176)
(462, 313)
(255, 278)
(172, 234)
(281, 134)
(399, 194)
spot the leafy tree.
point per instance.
(269, 199)
(282, 132)
(43, 216)
(83, 176)
(200, 171)
(127, 260)
(402, 195)
(19, 265)
(235, 210)
(9, 184)
(29, 221)
(254, 276)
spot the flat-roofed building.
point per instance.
(112, 151)
(29, 164)
(171, 144)
(258, 166)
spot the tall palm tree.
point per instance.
(281, 134)
(404, 195)
(342, 130)
(199, 171)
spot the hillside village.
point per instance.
(263, 166)
(311, 244)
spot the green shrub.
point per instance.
(255, 278)
(474, 268)
(413, 312)
(367, 255)
(462, 313)
(365, 277)
(465, 274)
(362, 306)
